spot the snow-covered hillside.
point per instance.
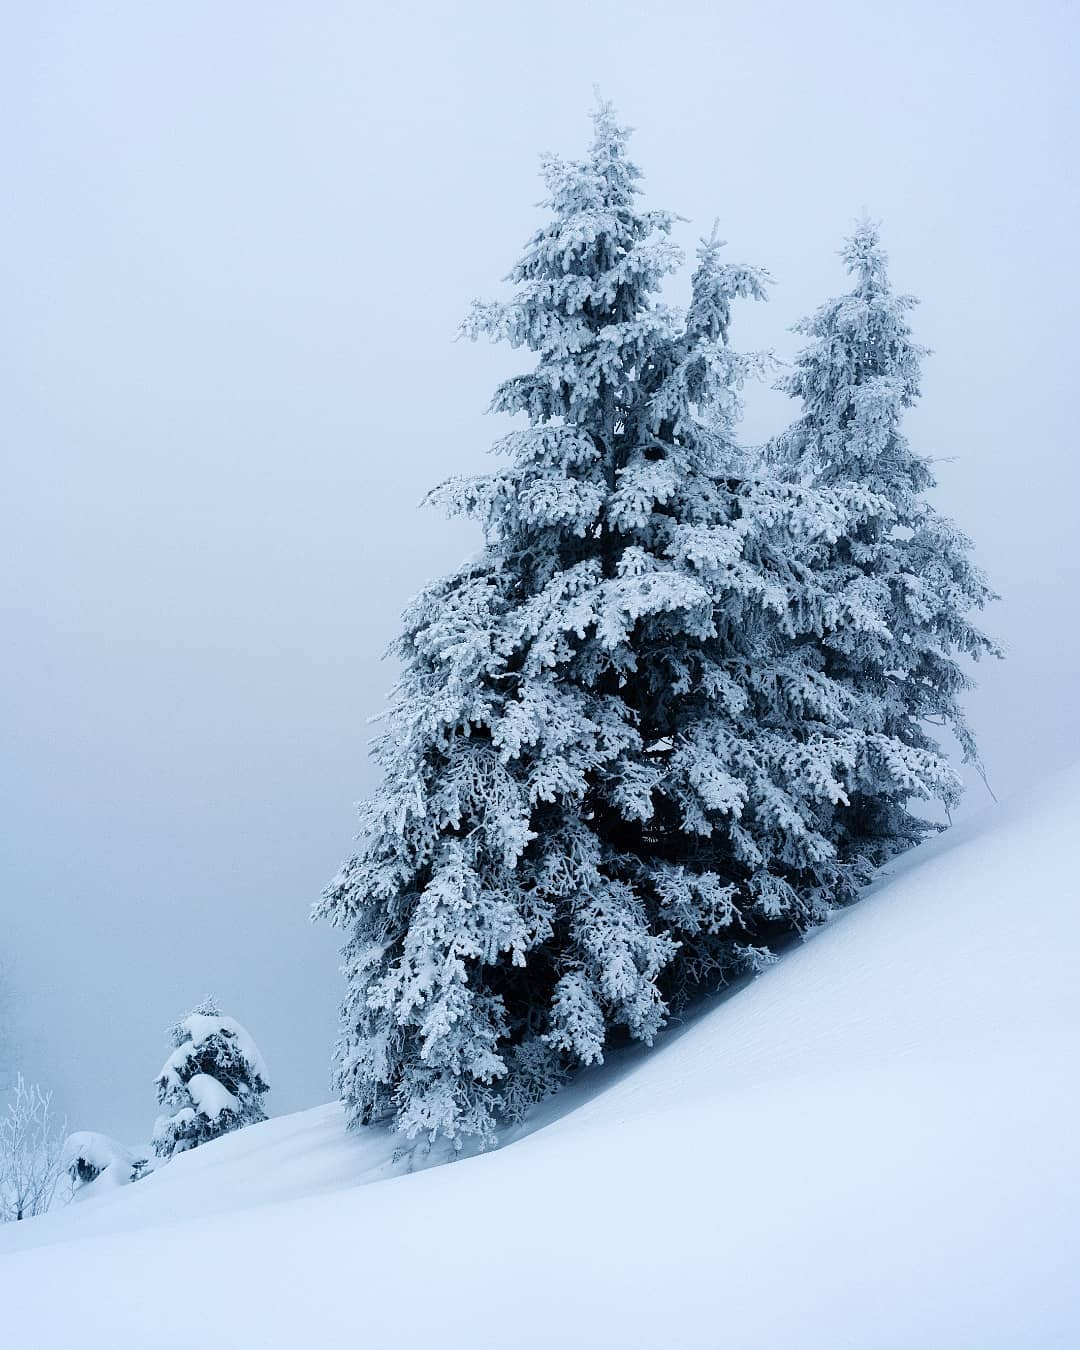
(874, 1145)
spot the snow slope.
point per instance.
(873, 1145)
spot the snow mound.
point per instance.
(97, 1151)
(98, 1161)
(872, 1145)
(210, 1097)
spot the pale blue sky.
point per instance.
(236, 242)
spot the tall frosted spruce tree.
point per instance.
(610, 755)
(899, 588)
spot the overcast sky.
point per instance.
(236, 242)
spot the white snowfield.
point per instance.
(873, 1145)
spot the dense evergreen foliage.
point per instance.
(213, 1082)
(617, 759)
(901, 584)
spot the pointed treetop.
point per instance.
(607, 155)
(710, 245)
(715, 284)
(605, 179)
(862, 253)
(609, 131)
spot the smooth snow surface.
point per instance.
(873, 1145)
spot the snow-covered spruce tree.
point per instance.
(898, 588)
(607, 753)
(213, 1082)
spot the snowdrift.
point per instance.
(873, 1145)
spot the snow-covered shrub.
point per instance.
(31, 1141)
(898, 583)
(613, 755)
(89, 1156)
(213, 1082)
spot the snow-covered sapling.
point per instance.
(213, 1082)
(31, 1142)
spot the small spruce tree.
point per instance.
(213, 1082)
(609, 753)
(897, 590)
